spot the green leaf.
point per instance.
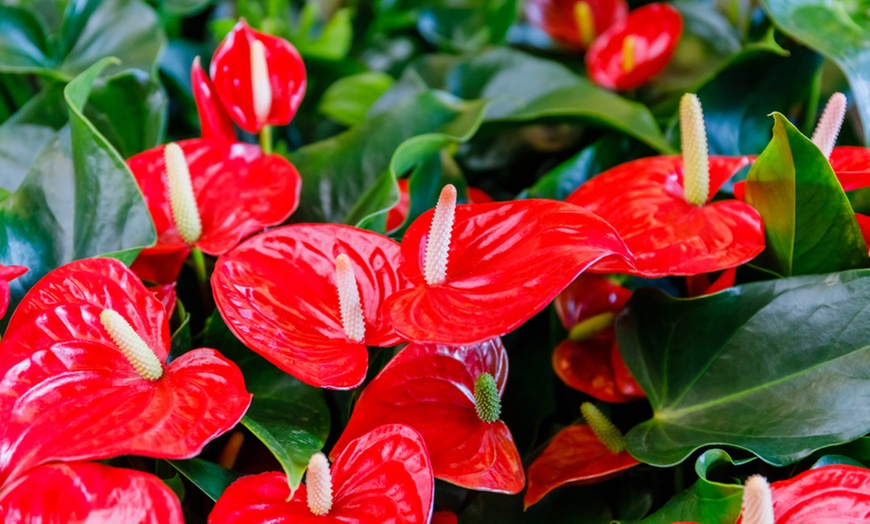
(466, 25)
(567, 505)
(779, 368)
(331, 42)
(837, 29)
(207, 476)
(22, 42)
(523, 88)
(184, 7)
(289, 417)
(706, 501)
(809, 224)
(349, 100)
(351, 178)
(77, 200)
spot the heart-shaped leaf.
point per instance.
(726, 368)
(464, 449)
(212, 479)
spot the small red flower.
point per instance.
(84, 375)
(490, 267)
(283, 294)
(259, 78)
(432, 388)
(382, 477)
(8, 274)
(233, 190)
(575, 22)
(89, 493)
(636, 48)
(214, 122)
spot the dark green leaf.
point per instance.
(22, 42)
(349, 100)
(779, 368)
(567, 505)
(809, 224)
(184, 7)
(207, 476)
(467, 25)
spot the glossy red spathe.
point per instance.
(277, 292)
(506, 262)
(69, 393)
(89, 493)
(575, 456)
(560, 19)
(383, 477)
(644, 202)
(214, 122)
(431, 389)
(232, 77)
(654, 29)
(8, 274)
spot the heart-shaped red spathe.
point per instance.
(431, 389)
(575, 456)
(231, 75)
(68, 393)
(8, 274)
(214, 122)
(507, 261)
(383, 477)
(277, 292)
(668, 236)
(656, 29)
(238, 191)
(559, 20)
(830, 494)
(89, 493)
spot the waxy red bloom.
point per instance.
(382, 477)
(281, 293)
(214, 122)
(636, 48)
(89, 493)
(431, 388)
(8, 274)
(500, 263)
(575, 22)
(84, 375)
(236, 190)
(259, 78)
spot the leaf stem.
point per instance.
(198, 261)
(266, 139)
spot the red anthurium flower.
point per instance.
(589, 359)
(836, 493)
(397, 215)
(209, 194)
(661, 207)
(383, 477)
(579, 454)
(8, 274)
(84, 375)
(310, 297)
(259, 78)
(451, 395)
(490, 267)
(636, 48)
(575, 22)
(89, 493)
(444, 517)
(214, 122)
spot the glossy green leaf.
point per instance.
(289, 417)
(523, 88)
(809, 224)
(77, 200)
(366, 159)
(349, 100)
(207, 476)
(466, 25)
(184, 7)
(837, 29)
(780, 368)
(22, 42)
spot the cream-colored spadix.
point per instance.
(348, 299)
(261, 88)
(585, 22)
(607, 433)
(182, 201)
(757, 501)
(438, 243)
(828, 128)
(629, 46)
(318, 482)
(140, 356)
(693, 139)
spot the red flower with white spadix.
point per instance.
(662, 208)
(383, 477)
(487, 268)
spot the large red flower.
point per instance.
(238, 190)
(8, 274)
(506, 262)
(575, 22)
(70, 392)
(258, 90)
(278, 292)
(636, 48)
(383, 477)
(645, 202)
(431, 388)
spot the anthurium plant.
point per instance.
(525, 261)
